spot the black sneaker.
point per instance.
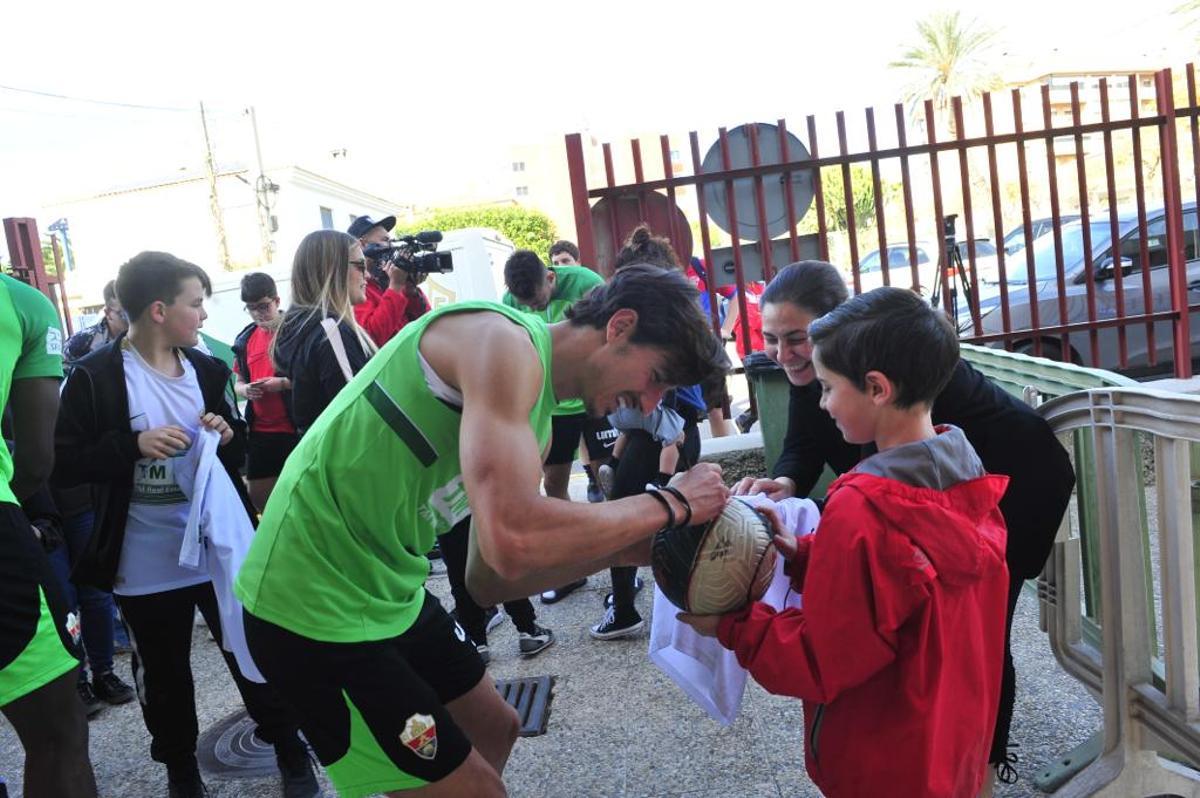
(187, 787)
(91, 702)
(494, 618)
(296, 770)
(610, 629)
(638, 584)
(745, 421)
(484, 654)
(110, 688)
(558, 594)
(535, 641)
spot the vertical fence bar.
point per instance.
(635, 150)
(1027, 223)
(705, 241)
(789, 195)
(672, 224)
(877, 188)
(739, 274)
(1114, 227)
(577, 172)
(614, 227)
(848, 192)
(989, 129)
(760, 201)
(1176, 262)
(906, 187)
(1139, 184)
(1056, 220)
(935, 175)
(1086, 228)
(971, 291)
(818, 191)
(1195, 128)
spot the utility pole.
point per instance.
(263, 189)
(213, 204)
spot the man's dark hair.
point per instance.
(562, 245)
(643, 246)
(524, 273)
(814, 286)
(151, 277)
(892, 331)
(110, 291)
(257, 285)
(668, 318)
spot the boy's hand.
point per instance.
(273, 384)
(162, 442)
(254, 390)
(776, 489)
(219, 425)
(703, 624)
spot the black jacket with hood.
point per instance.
(305, 356)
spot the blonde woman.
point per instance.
(320, 346)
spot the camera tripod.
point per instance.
(958, 277)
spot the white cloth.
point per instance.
(704, 669)
(216, 540)
(158, 509)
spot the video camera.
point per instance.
(416, 254)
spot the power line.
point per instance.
(99, 102)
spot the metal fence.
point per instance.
(1108, 286)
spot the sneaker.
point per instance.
(594, 494)
(604, 476)
(484, 654)
(296, 771)
(436, 552)
(187, 787)
(494, 617)
(745, 421)
(638, 584)
(91, 702)
(609, 629)
(109, 687)
(535, 641)
(558, 594)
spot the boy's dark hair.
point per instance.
(257, 285)
(643, 246)
(668, 318)
(151, 277)
(562, 245)
(110, 291)
(892, 331)
(812, 285)
(524, 273)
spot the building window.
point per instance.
(522, 191)
(326, 218)
(518, 166)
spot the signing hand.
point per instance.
(703, 624)
(219, 425)
(704, 489)
(776, 489)
(162, 442)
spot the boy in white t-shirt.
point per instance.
(129, 414)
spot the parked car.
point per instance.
(1105, 258)
(870, 268)
(1014, 239)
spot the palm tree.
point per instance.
(1191, 11)
(949, 59)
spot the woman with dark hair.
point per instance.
(1010, 438)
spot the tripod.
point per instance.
(958, 276)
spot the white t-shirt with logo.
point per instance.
(158, 509)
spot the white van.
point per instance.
(479, 254)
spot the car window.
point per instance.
(870, 263)
(897, 257)
(1045, 262)
(984, 248)
(1156, 242)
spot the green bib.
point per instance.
(340, 553)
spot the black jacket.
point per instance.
(1009, 436)
(305, 356)
(242, 360)
(93, 443)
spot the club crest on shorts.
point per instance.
(420, 736)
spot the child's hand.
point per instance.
(219, 425)
(703, 624)
(784, 540)
(162, 442)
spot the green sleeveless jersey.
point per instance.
(340, 553)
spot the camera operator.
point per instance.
(393, 296)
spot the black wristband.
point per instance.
(678, 494)
(666, 505)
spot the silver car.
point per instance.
(1104, 258)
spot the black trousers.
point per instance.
(160, 631)
(639, 465)
(1008, 677)
(454, 545)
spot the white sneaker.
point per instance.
(604, 476)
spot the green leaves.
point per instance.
(526, 228)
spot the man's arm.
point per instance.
(34, 405)
(524, 542)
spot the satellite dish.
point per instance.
(614, 219)
(775, 197)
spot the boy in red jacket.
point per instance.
(896, 652)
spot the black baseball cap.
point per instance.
(359, 227)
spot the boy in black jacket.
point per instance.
(129, 412)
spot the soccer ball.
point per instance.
(718, 567)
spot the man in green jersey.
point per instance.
(38, 637)
(448, 422)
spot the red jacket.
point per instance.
(897, 651)
(386, 312)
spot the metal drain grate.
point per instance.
(531, 698)
(230, 750)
